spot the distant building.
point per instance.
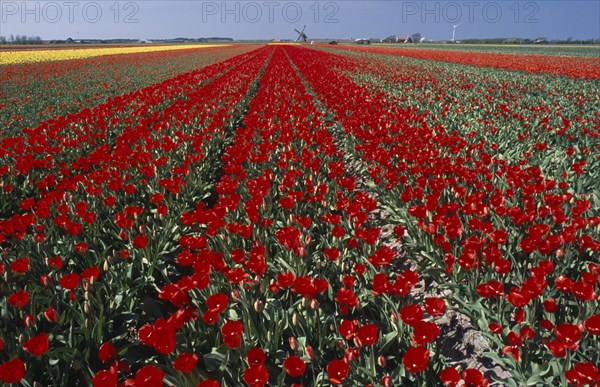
(398, 39)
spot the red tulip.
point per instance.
(37, 345)
(294, 366)
(107, 352)
(256, 375)
(337, 371)
(232, 333)
(12, 371)
(415, 359)
(368, 334)
(449, 377)
(149, 376)
(18, 299)
(185, 362)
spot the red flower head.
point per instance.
(583, 374)
(255, 356)
(37, 345)
(105, 378)
(346, 297)
(382, 256)
(107, 352)
(217, 302)
(424, 332)
(12, 371)
(232, 333)
(69, 281)
(91, 272)
(149, 376)
(557, 348)
(450, 377)
(290, 238)
(368, 334)
(592, 324)
(347, 328)
(415, 359)
(411, 314)
(285, 280)
(337, 370)
(256, 376)
(20, 265)
(474, 378)
(331, 253)
(185, 362)
(18, 299)
(294, 366)
(568, 334)
(163, 336)
(160, 336)
(140, 241)
(435, 306)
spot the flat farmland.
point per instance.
(299, 215)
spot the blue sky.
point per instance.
(271, 19)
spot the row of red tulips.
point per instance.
(570, 66)
(97, 224)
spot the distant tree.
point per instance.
(12, 38)
(416, 37)
(2, 40)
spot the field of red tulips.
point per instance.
(293, 216)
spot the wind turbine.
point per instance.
(454, 31)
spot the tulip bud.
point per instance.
(305, 302)
(381, 361)
(51, 315)
(45, 281)
(314, 304)
(86, 307)
(293, 343)
(386, 381)
(351, 355)
(258, 306)
(295, 318)
(29, 321)
(309, 352)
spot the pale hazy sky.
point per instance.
(147, 19)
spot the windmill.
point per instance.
(454, 31)
(301, 35)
